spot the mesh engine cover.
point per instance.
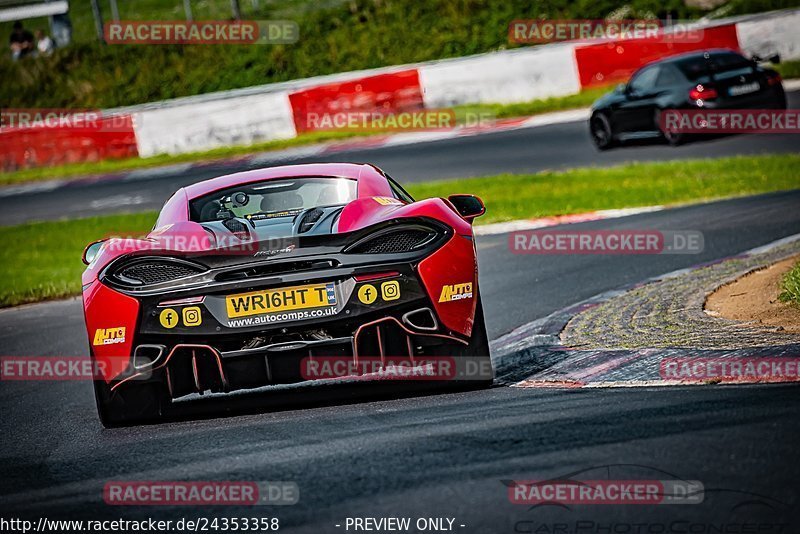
(394, 242)
(156, 272)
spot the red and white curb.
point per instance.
(537, 345)
(791, 85)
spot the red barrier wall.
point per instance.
(42, 146)
(615, 61)
(387, 93)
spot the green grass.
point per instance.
(84, 30)
(335, 36)
(534, 107)
(790, 286)
(41, 261)
(83, 20)
(519, 196)
(788, 69)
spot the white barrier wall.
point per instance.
(246, 116)
(777, 33)
(504, 77)
(212, 124)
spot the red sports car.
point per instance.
(246, 276)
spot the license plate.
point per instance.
(738, 90)
(280, 300)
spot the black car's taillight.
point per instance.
(703, 92)
(149, 271)
(773, 78)
(396, 240)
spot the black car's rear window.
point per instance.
(695, 68)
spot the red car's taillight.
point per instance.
(701, 92)
(180, 302)
(375, 276)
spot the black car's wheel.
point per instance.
(129, 405)
(600, 128)
(672, 138)
(782, 103)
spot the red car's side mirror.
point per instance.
(468, 206)
(91, 250)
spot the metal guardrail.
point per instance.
(20, 10)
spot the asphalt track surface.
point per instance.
(557, 146)
(431, 454)
(440, 455)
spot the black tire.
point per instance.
(600, 130)
(782, 102)
(672, 138)
(478, 353)
(131, 404)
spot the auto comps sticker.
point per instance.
(455, 292)
(109, 336)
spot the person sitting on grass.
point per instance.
(44, 44)
(20, 41)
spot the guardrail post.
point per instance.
(98, 20)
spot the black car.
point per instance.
(711, 79)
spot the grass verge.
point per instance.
(40, 261)
(500, 111)
(584, 99)
(519, 196)
(790, 286)
(788, 69)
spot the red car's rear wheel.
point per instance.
(128, 405)
(478, 351)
